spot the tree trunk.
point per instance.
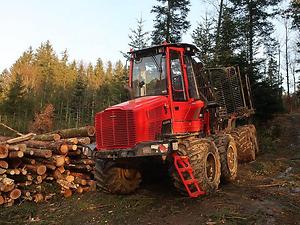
(57, 147)
(47, 137)
(43, 153)
(38, 169)
(77, 132)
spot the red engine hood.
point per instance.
(141, 103)
(132, 122)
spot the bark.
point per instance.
(3, 152)
(57, 147)
(20, 139)
(38, 169)
(43, 153)
(15, 154)
(77, 132)
(47, 137)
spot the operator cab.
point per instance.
(168, 70)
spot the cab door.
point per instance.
(185, 110)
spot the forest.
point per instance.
(238, 33)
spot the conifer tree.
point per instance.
(170, 20)
(139, 38)
(203, 38)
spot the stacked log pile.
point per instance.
(30, 162)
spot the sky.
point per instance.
(88, 29)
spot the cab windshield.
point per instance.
(149, 76)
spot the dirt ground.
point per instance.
(267, 191)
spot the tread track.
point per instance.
(112, 178)
(245, 147)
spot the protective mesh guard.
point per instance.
(226, 87)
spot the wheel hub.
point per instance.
(230, 158)
(210, 167)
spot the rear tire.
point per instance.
(116, 179)
(205, 161)
(254, 137)
(245, 147)
(228, 155)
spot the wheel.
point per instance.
(116, 179)
(254, 137)
(205, 161)
(228, 156)
(245, 147)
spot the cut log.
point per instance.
(57, 174)
(38, 169)
(2, 171)
(84, 141)
(3, 151)
(57, 147)
(15, 154)
(73, 141)
(69, 178)
(81, 175)
(79, 190)
(83, 161)
(93, 185)
(67, 193)
(13, 147)
(20, 139)
(3, 164)
(80, 181)
(55, 160)
(38, 180)
(79, 167)
(47, 137)
(43, 153)
(72, 147)
(61, 169)
(2, 201)
(22, 147)
(15, 194)
(6, 184)
(77, 132)
(28, 161)
(75, 153)
(50, 166)
(66, 185)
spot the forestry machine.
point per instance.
(195, 120)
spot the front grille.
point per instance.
(115, 128)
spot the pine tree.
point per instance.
(170, 21)
(16, 102)
(139, 38)
(203, 38)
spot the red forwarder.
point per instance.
(181, 114)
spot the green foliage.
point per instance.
(170, 20)
(76, 91)
(204, 37)
(139, 38)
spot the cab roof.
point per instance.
(161, 48)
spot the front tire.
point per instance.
(114, 178)
(205, 161)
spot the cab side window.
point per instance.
(178, 92)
